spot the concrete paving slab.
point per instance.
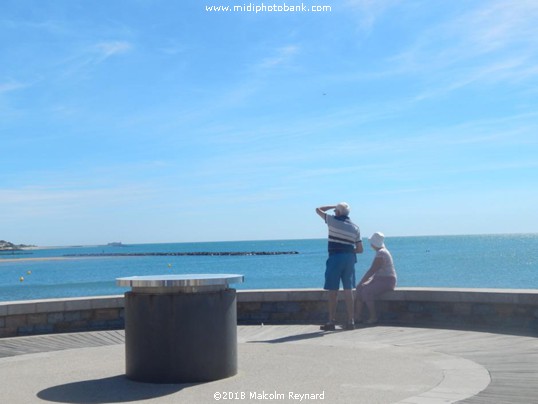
(277, 364)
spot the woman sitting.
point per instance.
(380, 278)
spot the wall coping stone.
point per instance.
(456, 295)
(60, 305)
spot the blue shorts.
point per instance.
(340, 267)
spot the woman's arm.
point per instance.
(376, 266)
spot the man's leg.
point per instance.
(358, 304)
(332, 311)
(348, 296)
(332, 306)
(332, 283)
(348, 282)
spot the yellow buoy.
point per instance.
(29, 272)
(169, 265)
(21, 279)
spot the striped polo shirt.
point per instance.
(343, 234)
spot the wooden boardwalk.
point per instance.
(512, 361)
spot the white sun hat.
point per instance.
(377, 240)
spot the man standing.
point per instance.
(344, 242)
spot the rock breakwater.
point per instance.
(178, 254)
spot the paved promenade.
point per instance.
(287, 364)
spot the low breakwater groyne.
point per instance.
(181, 254)
(513, 311)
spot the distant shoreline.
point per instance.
(25, 247)
(11, 260)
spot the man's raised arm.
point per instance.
(321, 211)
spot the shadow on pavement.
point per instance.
(114, 389)
(291, 338)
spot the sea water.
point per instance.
(474, 261)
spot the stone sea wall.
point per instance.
(498, 310)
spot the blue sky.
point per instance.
(159, 121)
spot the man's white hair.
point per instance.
(342, 209)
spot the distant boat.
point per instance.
(116, 244)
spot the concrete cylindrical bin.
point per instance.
(180, 328)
